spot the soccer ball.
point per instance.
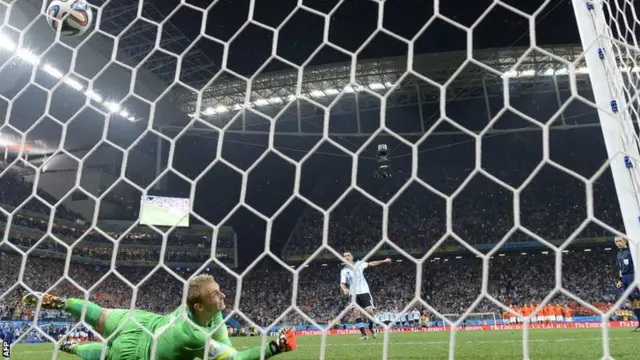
(73, 16)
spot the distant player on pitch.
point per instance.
(625, 265)
(352, 281)
(177, 338)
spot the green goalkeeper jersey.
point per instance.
(177, 338)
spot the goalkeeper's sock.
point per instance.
(88, 351)
(92, 316)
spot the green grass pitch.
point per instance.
(162, 217)
(565, 344)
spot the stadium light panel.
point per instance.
(209, 111)
(458, 257)
(74, 84)
(221, 109)
(49, 69)
(587, 250)
(500, 254)
(545, 253)
(317, 93)
(28, 56)
(524, 253)
(399, 260)
(7, 43)
(607, 249)
(93, 95)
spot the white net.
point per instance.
(459, 140)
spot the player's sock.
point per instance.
(92, 316)
(360, 325)
(637, 314)
(371, 327)
(88, 351)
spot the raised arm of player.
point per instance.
(380, 262)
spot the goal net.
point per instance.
(454, 149)
(473, 319)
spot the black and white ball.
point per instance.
(74, 17)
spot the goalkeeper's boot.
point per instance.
(364, 337)
(67, 346)
(285, 342)
(373, 334)
(49, 302)
(636, 329)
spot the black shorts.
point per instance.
(627, 281)
(364, 300)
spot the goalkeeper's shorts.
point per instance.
(126, 343)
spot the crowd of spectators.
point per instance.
(551, 205)
(448, 284)
(15, 189)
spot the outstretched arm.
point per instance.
(285, 342)
(380, 262)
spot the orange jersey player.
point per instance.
(568, 314)
(512, 317)
(558, 312)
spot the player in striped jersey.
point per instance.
(352, 281)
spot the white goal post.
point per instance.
(612, 53)
(608, 31)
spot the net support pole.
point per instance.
(615, 120)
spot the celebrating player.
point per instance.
(177, 337)
(352, 278)
(625, 264)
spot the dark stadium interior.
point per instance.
(484, 157)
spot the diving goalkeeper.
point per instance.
(177, 339)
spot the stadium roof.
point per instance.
(532, 69)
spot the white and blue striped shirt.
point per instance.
(354, 277)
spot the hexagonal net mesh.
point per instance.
(145, 70)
